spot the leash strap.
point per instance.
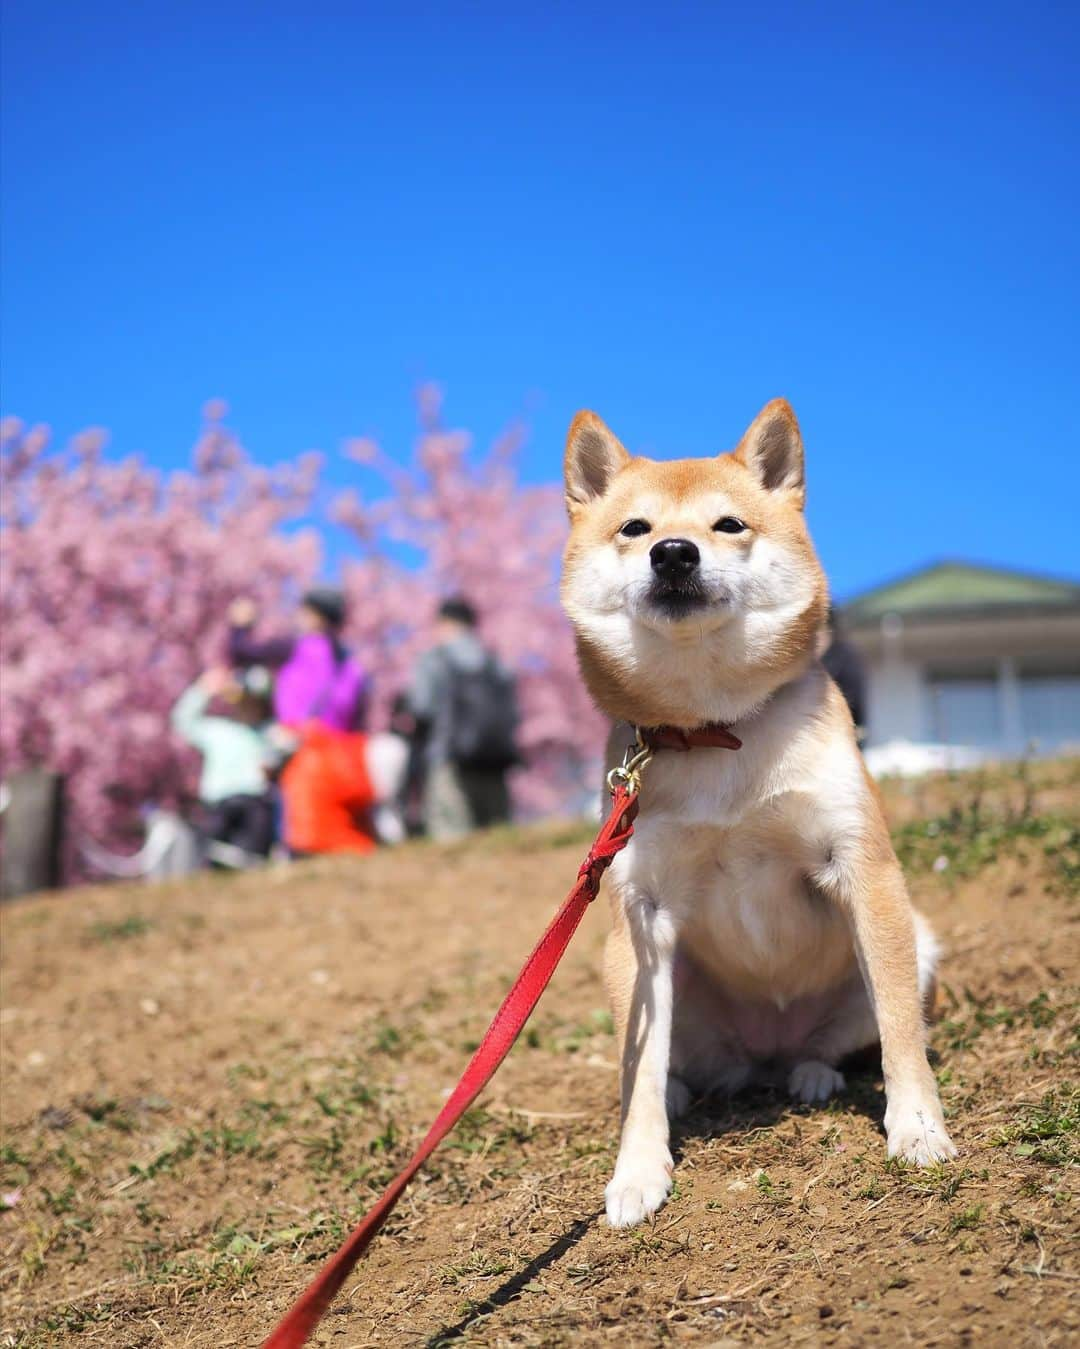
(298, 1323)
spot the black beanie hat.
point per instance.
(328, 603)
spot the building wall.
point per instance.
(996, 686)
(896, 700)
(1004, 710)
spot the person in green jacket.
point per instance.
(239, 756)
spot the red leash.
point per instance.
(298, 1323)
(615, 833)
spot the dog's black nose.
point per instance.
(674, 559)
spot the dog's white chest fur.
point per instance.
(736, 847)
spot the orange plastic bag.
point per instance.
(327, 793)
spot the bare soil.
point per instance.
(206, 1083)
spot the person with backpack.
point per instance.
(465, 702)
(320, 698)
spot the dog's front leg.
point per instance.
(885, 942)
(638, 967)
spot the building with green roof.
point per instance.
(978, 659)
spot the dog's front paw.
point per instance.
(814, 1081)
(638, 1187)
(917, 1134)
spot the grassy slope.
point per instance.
(205, 1083)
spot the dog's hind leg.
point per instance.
(853, 1026)
(638, 963)
(707, 1057)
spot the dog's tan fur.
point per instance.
(761, 920)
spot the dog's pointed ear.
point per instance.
(772, 450)
(593, 457)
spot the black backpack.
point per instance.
(483, 716)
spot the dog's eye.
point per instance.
(728, 524)
(635, 528)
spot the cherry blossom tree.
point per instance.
(116, 581)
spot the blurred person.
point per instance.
(317, 677)
(238, 756)
(320, 698)
(465, 705)
(405, 726)
(844, 663)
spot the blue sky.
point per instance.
(667, 213)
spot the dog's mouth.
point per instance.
(680, 599)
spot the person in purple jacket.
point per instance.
(317, 679)
(320, 697)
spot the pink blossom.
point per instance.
(116, 582)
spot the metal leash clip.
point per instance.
(628, 773)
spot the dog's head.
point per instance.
(692, 585)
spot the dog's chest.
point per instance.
(733, 868)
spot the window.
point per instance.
(964, 707)
(1050, 708)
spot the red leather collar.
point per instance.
(714, 735)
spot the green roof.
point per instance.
(948, 588)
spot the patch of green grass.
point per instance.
(967, 839)
(960, 1032)
(387, 1039)
(476, 1265)
(238, 1072)
(939, 1181)
(776, 1191)
(66, 1159)
(16, 1168)
(106, 930)
(167, 1157)
(73, 1320)
(1046, 1132)
(228, 1262)
(386, 1140)
(222, 1140)
(598, 1022)
(259, 1114)
(481, 1132)
(323, 1150)
(63, 1202)
(232, 1241)
(195, 1275)
(104, 1110)
(966, 1221)
(321, 1231)
(563, 1038)
(227, 1141)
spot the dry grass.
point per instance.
(206, 1083)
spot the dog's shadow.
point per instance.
(764, 1106)
(509, 1290)
(712, 1117)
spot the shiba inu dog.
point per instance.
(761, 920)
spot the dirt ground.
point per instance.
(206, 1083)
